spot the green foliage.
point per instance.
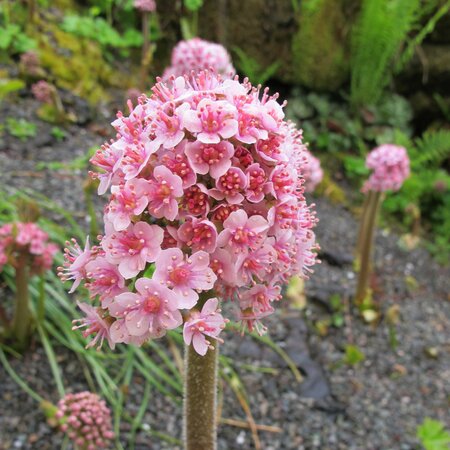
(98, 29)
(20, 128)
(432, 148)
(14, 40)
(433, 435)
(193, 5)
(58, 133)
(414, 42)
(353, 355)
(8, 86)
(252, 69)
(384, 40)
(376, 38)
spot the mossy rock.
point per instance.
(320, 48)
(76, 64)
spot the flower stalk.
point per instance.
(200, 399)
(21, 323)
(365, 244)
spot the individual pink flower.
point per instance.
(177, 162)
(165, 188)
(214, 159)
(256, 265)
(242, 233)
(222, 264)
(312, 173)
(211, 121)
(145, 5)
(132, 248)
(153, 309)
(259, 298)
(128, 200)
(105, 280)
(167, 124)
(200, 235)
(196, 201)
(86, 420)
(107, 159)
(256, 184)
(75, 260)
(184, 275)
(204, 324)
(95, 324)
(390, 165)
(197, 54)
(230, 186)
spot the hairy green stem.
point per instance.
(200, 398)
(22, 315)
(367, 238)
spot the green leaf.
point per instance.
(193, 5)
(433, 435)
(353, 355)
(11, 85)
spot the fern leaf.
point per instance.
(376, 38)
(432, 148)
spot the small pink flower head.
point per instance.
(390, 165)
(26, 240)
(196, 55)
(152, 310)
(186, 276)
(30, 63)
(204, 324)
(145, 5)
(313, 173)
(43, 91)
(86, 420)
(75, 260)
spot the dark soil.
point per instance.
(376, 404)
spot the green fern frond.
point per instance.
(432, 148)
(376, 38)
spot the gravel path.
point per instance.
(374, 405)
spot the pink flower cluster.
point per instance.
(43, 91)
(197, 54)
(390, 165)
(30, 63)
(206, 199)
(86, 419)
(145, 5)
(312, 173)
(26, 239)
